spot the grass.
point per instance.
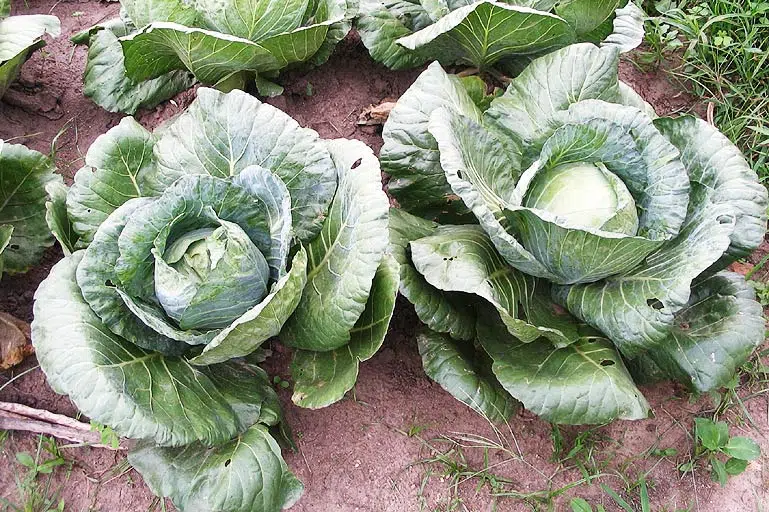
(463, 465)
(448, 462)
(36, 490)
(719, 50)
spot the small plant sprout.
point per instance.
(724, 454)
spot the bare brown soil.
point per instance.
(365, 453)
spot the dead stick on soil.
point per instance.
(20, 417)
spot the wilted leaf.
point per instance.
(14, 341)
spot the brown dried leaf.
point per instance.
(15, 342)
(376, 114)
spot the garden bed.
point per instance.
(398, 442)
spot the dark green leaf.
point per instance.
(467, 375)
(242, 475)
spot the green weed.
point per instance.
(108, 436)
(718, 49)
(713, 444)
(36, 492)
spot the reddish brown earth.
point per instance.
(367, 452)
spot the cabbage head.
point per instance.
(189, 248)
(500, 34)
(156, 49)
(19, 37)
(565, 243)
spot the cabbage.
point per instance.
(188, 249)
(580, 240)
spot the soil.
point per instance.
(371, 451)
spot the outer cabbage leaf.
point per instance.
(410, 153)
(138, 393)
(585, 16)
(636, 310)
(344, 257)
(57, 218)
(254, 20)
(483, 174)
(713, 335)
(382, 23)
(205, 140)
(463, 259)
(6, 230)
(25, 175)
(336, 32)
(628, 29)
(407, 33)
(144, 12)
(709, 156)
(192, 476)
(20, 36)
(443, 312)
(549, 85)
(106, 83)
(119, 166)
(584, 383)
(481, 33)
(322, 378)
(467, 377)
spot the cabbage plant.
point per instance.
(26, 178)
(565, 243)
(19, 37)
(191, 247)
(501, 34)
(156, 49)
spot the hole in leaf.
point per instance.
(724, 219)
(357, 163)
(109, 283)
(459, 173)
(227, 462)
(591, 340)
(15, 247)
(655, 304)
(88, 210)
(606, 362)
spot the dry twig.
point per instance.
(20, 417)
